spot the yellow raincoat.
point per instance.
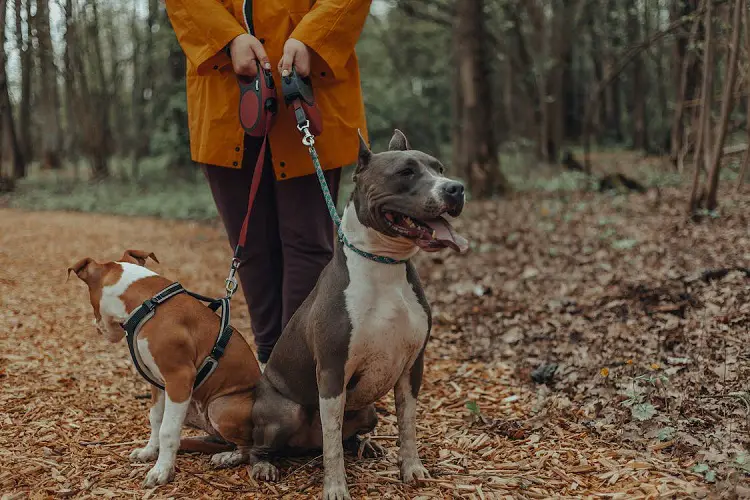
(329, 27)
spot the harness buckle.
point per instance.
(149, 304)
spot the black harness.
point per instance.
(146, 311)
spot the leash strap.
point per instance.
(140, 315)
(254, 184)
(309, 140)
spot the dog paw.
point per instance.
(158, 475)
(412, 470)
(229, 459)
(265, 471)
(364, 447)
(335, 490)
(145, 454)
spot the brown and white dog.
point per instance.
(172, 345)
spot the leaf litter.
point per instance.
(514, 404)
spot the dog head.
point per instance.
(97, 276)
(403, 193)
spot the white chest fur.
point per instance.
(389, 327)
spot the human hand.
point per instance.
(245, 50)
(296, 54)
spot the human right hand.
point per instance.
(245, 50)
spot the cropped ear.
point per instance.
(364, 156)
(81, 268)
(398, 141)
(138, 257)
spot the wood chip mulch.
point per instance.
(72, 407)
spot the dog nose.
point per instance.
(454, 191)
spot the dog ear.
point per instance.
(81, 269)
(398, 141)
(364, 156)
(138, 257)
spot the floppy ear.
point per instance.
(80, 268)
(363, 158)
(398, 141)
(138, 257)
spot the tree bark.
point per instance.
(746, 157)
(102, 147)
(480, 156)
(703, 139)
(6, 109)
(686, 82)
(726, 106)
(49, 104)
(143, 67)
(71, 130)
(23, 42)
(638, 87)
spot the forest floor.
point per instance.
(642, 391)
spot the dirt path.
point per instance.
(72, 406)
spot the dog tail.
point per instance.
(205, 444)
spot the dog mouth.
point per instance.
(430, 235)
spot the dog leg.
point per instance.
(231, 416)
(155, 415)
(406, 390)
(332, 403)
(169, 438)
(275, 421)
(359, 422)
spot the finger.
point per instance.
(285, 65)
(260, 54)
(302, 65)
(246, 65)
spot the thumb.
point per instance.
(287, 60)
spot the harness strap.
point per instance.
(140, 315)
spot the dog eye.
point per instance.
(406, 172)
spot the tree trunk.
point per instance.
(6, 109)
(50, 99)
(726, 106)
(143, 68)
(746, 157)
(638, 87)
(686, 82)
(71, 129)
(703, 139)
(103, 146)
(480, 159)
(612, 92)
(177, 64)
(23, 42)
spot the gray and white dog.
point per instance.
(362, 331)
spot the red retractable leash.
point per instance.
(257, 112)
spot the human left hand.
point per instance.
(296, 54)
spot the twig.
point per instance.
(104, 444)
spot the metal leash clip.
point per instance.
(308, 139)
(230, 284)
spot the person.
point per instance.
(290, 232)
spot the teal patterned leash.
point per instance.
(309, 140)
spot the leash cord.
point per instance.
(309, 140)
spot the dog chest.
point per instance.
(389, 328)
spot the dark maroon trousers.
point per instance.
(290, 238)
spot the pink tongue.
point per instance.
(444, 234)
